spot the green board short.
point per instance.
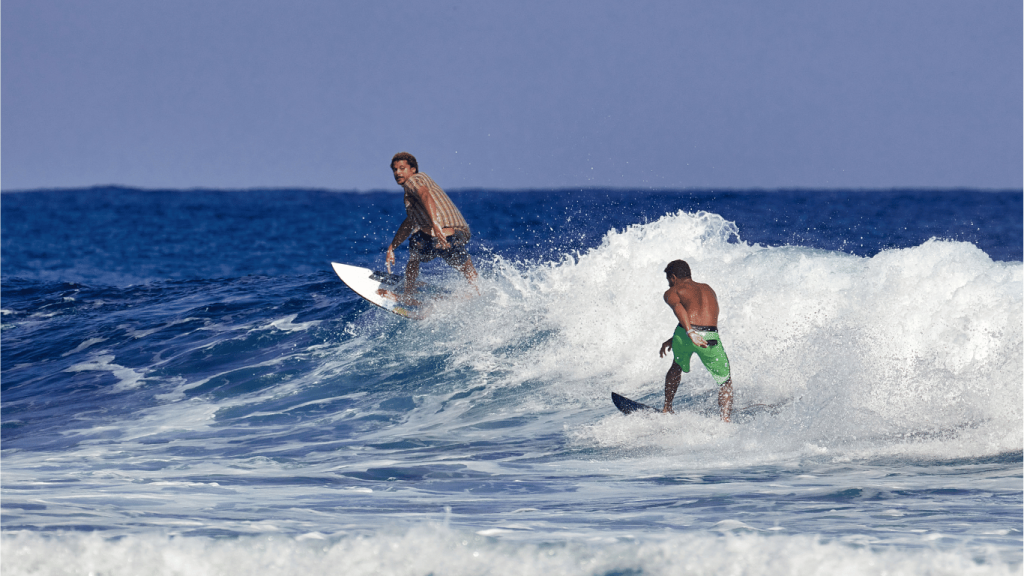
(713, 357)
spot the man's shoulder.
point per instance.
(692, 289)
(692, 284)
(420, 179)
(706, 287)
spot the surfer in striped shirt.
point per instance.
(434, 226)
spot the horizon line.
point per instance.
(560, 189)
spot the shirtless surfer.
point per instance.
(436, 226)
(696, 307)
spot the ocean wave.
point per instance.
(914, 347)
(288, 406)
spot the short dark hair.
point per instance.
(409, 159)
(678, 268)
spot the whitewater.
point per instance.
(254, 423)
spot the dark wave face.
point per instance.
(183, 372)
(116, 236)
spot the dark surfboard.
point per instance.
(628, 406)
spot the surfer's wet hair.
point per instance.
(409, 159)
(678, 268)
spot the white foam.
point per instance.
(287, 324)
(84, 345)
(435, 549)
(912, 351)
(134, 333)
(127, 378)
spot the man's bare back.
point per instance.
(693, 303)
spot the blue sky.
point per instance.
(509, 95)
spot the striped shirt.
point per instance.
(448, 216)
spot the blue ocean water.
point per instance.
(188, 389)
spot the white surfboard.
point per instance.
(366, 283)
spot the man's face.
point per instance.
(402, 171)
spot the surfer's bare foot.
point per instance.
(387, 294)
(408, 299)
(403, 298)
(667, 410)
